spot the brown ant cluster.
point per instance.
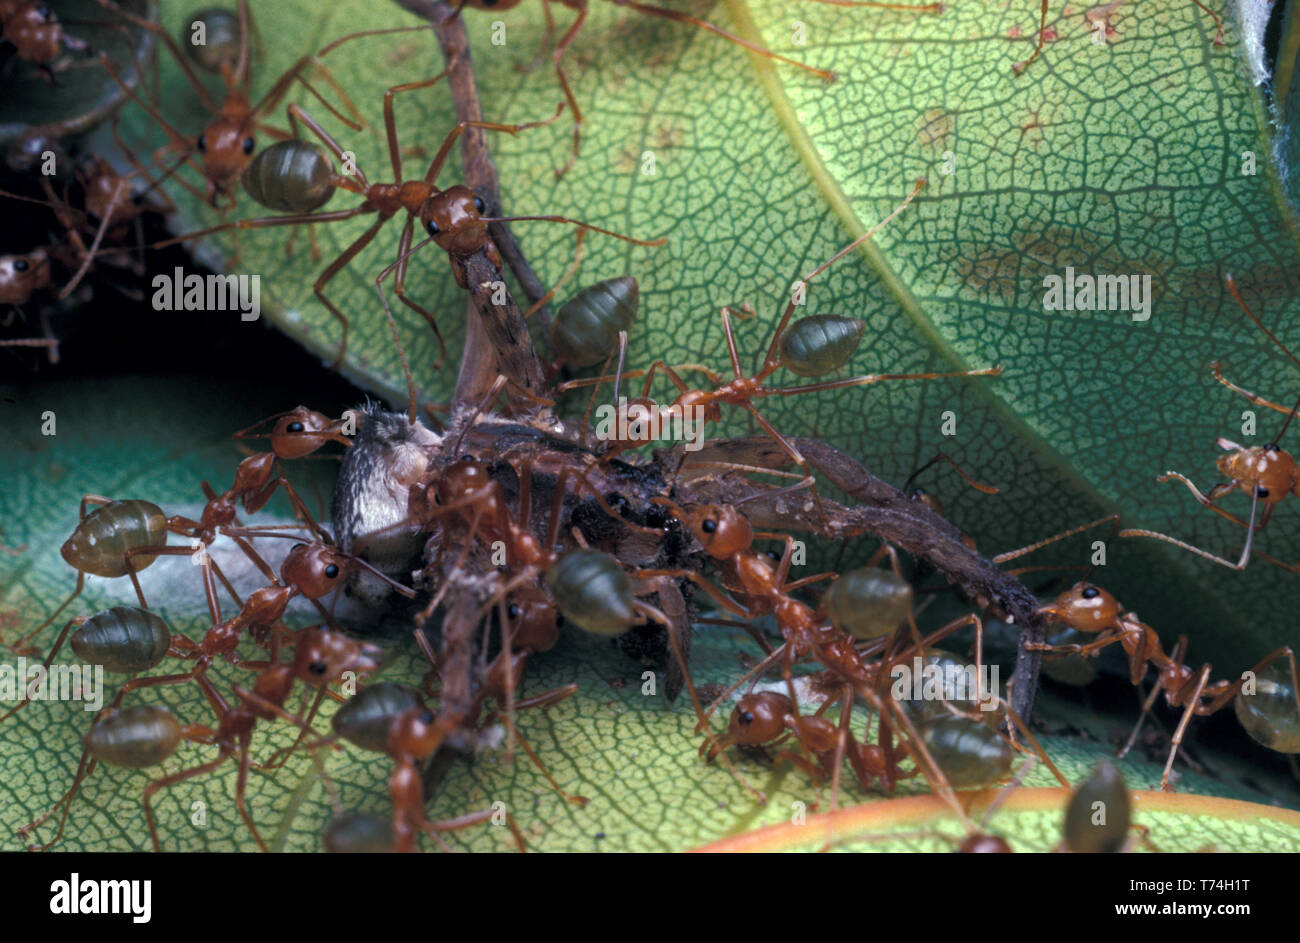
(514, 522)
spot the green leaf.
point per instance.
(632, 754)
(1123, 158)
(1117, 159)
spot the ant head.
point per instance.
(35, 19)
(316, 569)
(453, 218)
(415, 732)
(226, 148)
(460, 479)
(300, 432)
(534, 619)
(1084, 607)
(1266, 472)
(20, 275)
(320, 656)
(921, 496)
(759, 718)
(721, 529)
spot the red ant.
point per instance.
(1091, 609)
(121, 538)
(227, 144)
(726, 535)
(144, 736)
(1267, 473)
(455, 219)
(36, 34)
(22, 277)
(812, 353)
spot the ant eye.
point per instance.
(293, 427)
(479, 205)
(709, 526)
(332, 570)
(432, 228)
(513, 611)
(746, 717)
(1091, 593)
(426, 717)
(1261, 492)
(44, 13)
(20, 265)
(202, 142)
(249, 144)
(318, 667)
(298, 546)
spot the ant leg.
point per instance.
(944, 457)
(1245, 550)
(675, 643)
(1036, 747)
(1253, 397)
(679, 17)
(1188, 713)
(730, 336)
(390, 121)
(404, 252)
(1231, 691)
(222, 755)
(1112, 519)
(556, 56)
(85, 767)
(1149, 701)
(717, 595)
(732, 623)
(569, 273)
(547, 37)
(471, 819)
(337, 266)
(400, 282)
(789, 449)
(773, 359)
(1206, 500)
(870, 378)
(578, 800)
(1019, 67)
(1218, 23)
(241, 786)
(166, 39)
(58, 644)
(277, 91)
(440, 158)
(22, 646)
